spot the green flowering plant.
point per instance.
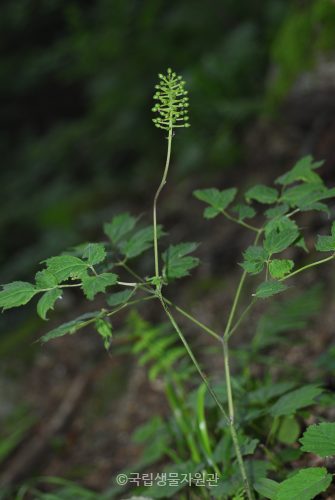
(89, 267)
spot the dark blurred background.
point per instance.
(77, 142)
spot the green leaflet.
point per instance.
(295, 194)
(305, 485)
(252, 267)
(302, 171)
(263, 194)
(277, 211)
(69, 327)
(289, 430)
(104, 328)
(16, 294)
(219, 200)
(176, 264)
(279, 224)
(256, 253)
(44, 279)
(319, 439)
(66, 266)
(326, 243)
(120, 225)
(244, 211)
(267, 488)
(94, 253)
(269, 288)
(114, 299)
(291, 402)
(277, 242)
(47, 301)
(278, 268)
(140, 241)
(267, 392)
(93, 284)
(254, 259)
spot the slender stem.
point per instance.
(239, 221)
(241, 463)
(193, 319)
(171, 318)
(157, 194)
(306, 267)
(241, 318)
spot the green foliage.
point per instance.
(305, 485)
(263, 194)
(319, 439)
(326, 243)
(176, 264)
(104, 328)
(268, 411)
(94, 284)
(307, 29)
(16, 294)
(219, 200)
(291, 402)
(269, 288)
(47, 301)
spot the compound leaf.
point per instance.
(269, 288)
(65, 266)
(44, 279)
(302, 171)
(16, 294)
(219, 200)
(291, 402)
(305, 485)
(319, 439)
(176, 264)
(244, 211)
(94, 284)
(140, 241)
(120, 225)
(278, 268)
(47, 301)
(94, 253)
(69, 327)
(114, 299)
(277, 242)
(261, 193)
(267, 488)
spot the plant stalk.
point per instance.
(157, 194)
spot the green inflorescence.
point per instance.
(172, 102)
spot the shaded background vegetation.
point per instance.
(76, 84)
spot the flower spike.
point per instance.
(172, 102)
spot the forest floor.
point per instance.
(86, 404)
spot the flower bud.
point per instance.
(154, 109)
(187, 125)
(185, 117)
(160, 75)
(174, 74)
(157, 86)
(180, 77)
(154, 120)
(158, 126)
(169, 70)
